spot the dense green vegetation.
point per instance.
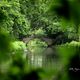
(39, 40)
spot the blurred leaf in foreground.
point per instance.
(5, 44)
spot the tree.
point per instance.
(68, 10)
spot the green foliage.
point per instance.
(18, 50)
(36, 46)
(68, 50)
(40, 32)
(17, 45)
(41, 18)
(5, 45)
(13, 20)
(66, 10)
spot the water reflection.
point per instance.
(48, 58)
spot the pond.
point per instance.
(49, 58)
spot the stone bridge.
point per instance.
(50, 41)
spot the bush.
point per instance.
(36, 46)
